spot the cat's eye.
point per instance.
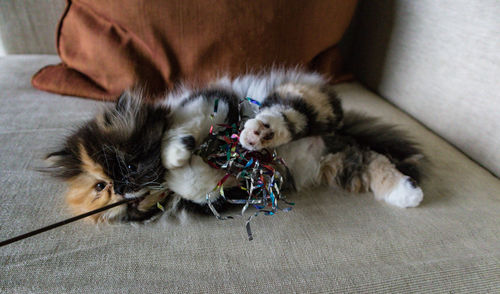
(266, 126)
(131, 167)
(100, 186)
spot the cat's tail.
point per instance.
(369, 134)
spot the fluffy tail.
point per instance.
(360, 134)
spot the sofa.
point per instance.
(431, 67)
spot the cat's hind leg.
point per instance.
(345, 169)
(357, 171)
(389, 184)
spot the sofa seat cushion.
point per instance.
(330, 242)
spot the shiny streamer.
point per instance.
(257, 172)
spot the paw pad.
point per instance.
(257, 135)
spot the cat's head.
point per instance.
(115, 155)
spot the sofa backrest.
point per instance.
(440, 62)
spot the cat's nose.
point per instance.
(119, 189)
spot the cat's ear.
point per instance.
(54, 162)
(55, 158)
(61, 164)
(124, 101)
(128, 102)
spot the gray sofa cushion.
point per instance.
(440, 62)
(330, 241)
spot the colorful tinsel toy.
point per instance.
(257, 172)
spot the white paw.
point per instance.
(406, 193)
(177, 153)
(268, 133)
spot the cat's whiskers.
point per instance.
(105, 157)
(121, 161)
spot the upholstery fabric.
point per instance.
(331, 242)
(109, 46)
(440, 62)
(29, 26)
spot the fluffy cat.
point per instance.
(137, 149)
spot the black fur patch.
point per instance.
(289, 125)
(229, 97)
(336, 105)
(220, 204)
(117, 150)
(189, 142)
(299, 105)
(313, 126)
(135, 215)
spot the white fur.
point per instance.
(175, 154)
(259, 86)
(303, 160)
(404, 194)
(194, 180)
(192, 119)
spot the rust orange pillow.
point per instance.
(108, 46)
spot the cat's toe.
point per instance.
(406, 193)
(178, 152)
(251, 136)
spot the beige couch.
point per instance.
(438, 61)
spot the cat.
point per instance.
(139, 149)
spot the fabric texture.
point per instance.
(29, 26)
(331, 242)
(440, 62)
(109, 46)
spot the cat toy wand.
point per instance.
(66, 221)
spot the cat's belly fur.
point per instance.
(194, 180)
(303, 158)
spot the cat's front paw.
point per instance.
(259, 134)
(178, 152)
(406, 193)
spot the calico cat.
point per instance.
(137, 149)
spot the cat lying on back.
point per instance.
(136, 149)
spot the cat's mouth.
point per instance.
(146, 204)
(139, 196)
(137, 201)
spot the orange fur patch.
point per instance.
(331, 165)
(82, 196)
(383, 175)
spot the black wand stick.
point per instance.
(64, 222)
